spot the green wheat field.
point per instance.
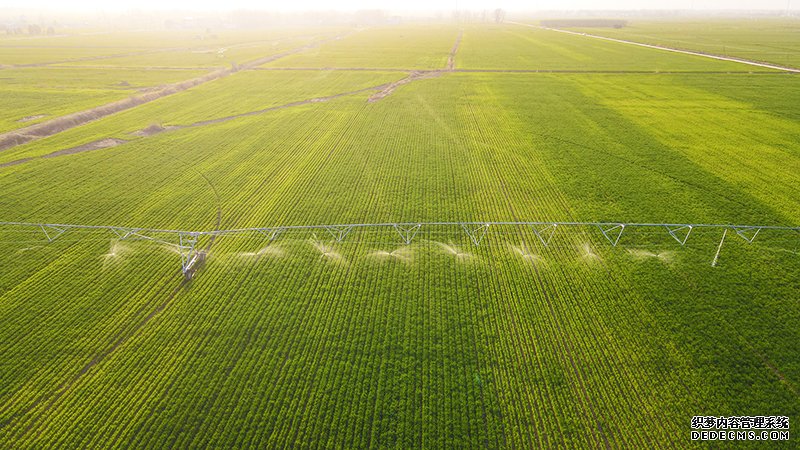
(308, 341)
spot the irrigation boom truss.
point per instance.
(186, 241)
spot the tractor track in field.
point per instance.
(18, 161)
(54, 126)
(21, 136)
(121, 339)
(65, 386)
(124, 336)
(105, 143)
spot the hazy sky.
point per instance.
(295, 5)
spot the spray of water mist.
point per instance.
(115, 253)
(401, 254)
(269, 250)
(588, 254)
(523, 251)
(172, 248)
(325, 250)
(454, 250)
(641, 255)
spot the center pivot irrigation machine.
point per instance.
(186, 242)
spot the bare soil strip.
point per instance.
(153, 129)
(30, 118)
(15, 162)
(451, 60)
(670, 49)
(96, 145)
(59, 124)
(156, 128)
(414, 76)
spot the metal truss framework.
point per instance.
(186, 241)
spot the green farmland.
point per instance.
(309, 339)
(770, 40)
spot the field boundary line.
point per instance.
(516, 71)
(668, 49)
(105, 143)
(388, 88)
(59, 124)
(141, 52)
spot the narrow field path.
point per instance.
(152, 130)
(669, 49)
(413, 76)
(56, 125)
(451, 60)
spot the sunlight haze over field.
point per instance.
(406, 225)
(513, 5)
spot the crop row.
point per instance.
(372, 343)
